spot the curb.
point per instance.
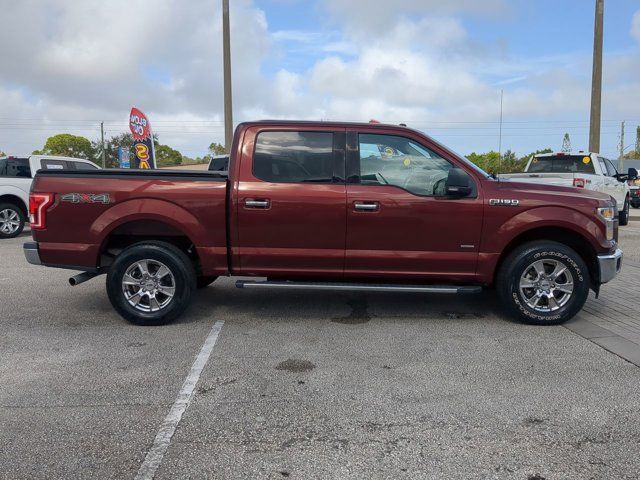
(610, 341)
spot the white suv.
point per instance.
(16, 175)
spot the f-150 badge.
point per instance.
(505, 202)
(86, 198)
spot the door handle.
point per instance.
(366, 206)
(253, 203)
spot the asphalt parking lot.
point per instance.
(308, 385)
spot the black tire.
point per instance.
(623, 216)
(205, 281)
(12, 213)
(183, 279)
(520, 262)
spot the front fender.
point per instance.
(497, 237)
(543, 217)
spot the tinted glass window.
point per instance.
(82, 166)
(611, 170)
(53, 164)
(219, 163)
(398, 161)
(562, 164)
(15, 167)
(294, 157)
(603, 166)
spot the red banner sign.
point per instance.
(139, 124)
(143, 145)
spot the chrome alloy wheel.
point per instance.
(546, 285)
(148, 285)
(9, 221)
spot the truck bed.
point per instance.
(91, 205)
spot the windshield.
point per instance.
(462, 157)
(562, 164)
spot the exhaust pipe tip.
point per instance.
(82, 277)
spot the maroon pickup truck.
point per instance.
(359, 207)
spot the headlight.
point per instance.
(608, 215)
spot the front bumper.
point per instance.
(31, 253)
(609, 265)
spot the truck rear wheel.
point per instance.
(543, 283)
(12, 220)
(151, 283)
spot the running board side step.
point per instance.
(359, 287)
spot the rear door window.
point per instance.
(219, 164)
(562, 164)
(15, 167)
(611, 170)
(294, 157)
(603, 166)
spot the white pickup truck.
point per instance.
(16, 175)
(581, 170)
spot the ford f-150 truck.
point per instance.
(324, 205)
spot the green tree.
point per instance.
(68, 145)
(167, 156)
(491, 162)
(217, 149)
(111, 146)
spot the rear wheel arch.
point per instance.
(132, 232)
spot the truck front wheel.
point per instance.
(151, 283)
(623, 216)
(543, 283)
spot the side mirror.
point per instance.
(458, 183)
(632, 174)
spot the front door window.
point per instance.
(397, 161)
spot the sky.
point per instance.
(440, 67)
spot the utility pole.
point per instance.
(104, 155)
(226, 56)
(500, 135)
(596, 80)
(621, 159)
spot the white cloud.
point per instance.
(635, 26)
(82, 62)
(368, 17)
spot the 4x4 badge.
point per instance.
(507, 202)
(86, 198)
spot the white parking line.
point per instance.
(163, 438)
